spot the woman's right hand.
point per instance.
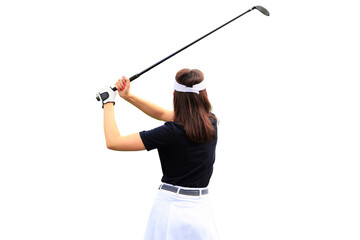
(123, 86)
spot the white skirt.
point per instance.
(180, 217)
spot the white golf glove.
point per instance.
(106, 94)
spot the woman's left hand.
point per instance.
(106, 95)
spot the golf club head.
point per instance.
(262, 10)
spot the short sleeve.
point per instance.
(158, 137)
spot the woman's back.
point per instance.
(183, 162)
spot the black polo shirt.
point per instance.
(183, 162)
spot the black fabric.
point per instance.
(183, 162)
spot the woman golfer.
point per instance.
(186, 145)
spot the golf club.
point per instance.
(259, 8)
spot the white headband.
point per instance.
(194, 89)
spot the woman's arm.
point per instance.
(147, 107)
(114, 140)
(150, 109)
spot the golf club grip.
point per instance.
(134, 77)
(131, 79)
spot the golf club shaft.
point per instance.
(261, 9)
(180, 50)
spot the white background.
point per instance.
(285, 89)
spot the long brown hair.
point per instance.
(192, 110)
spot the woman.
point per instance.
(186, 145)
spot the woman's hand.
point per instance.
(106, 95)
(123, 86)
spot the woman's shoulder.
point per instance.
(174, 128)
(174, 125)
(213, 118)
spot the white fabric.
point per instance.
(179, 217)
(112, 94)
(194, 89)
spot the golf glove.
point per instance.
(107, 94)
